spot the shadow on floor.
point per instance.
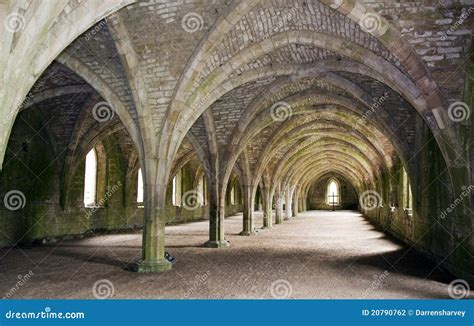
(105, 260)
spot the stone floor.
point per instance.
(319, 254)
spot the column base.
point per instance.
(217, 244)
(152, 266)
(248, 233)
(267, 227)
(279, 222)
(286, 219)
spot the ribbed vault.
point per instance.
(268, 94)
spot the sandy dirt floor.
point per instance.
(319, 254)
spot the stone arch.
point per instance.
(34, 48)
(330, 182)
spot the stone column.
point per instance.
(305, 203)
(216, 217)
(267, 209)
(278, 209)
(295, 203)
(153, 241)
(278, 206)
(288, 205)
(248, 222)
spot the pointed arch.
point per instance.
(333, 192)
(90, 178)
(140, 187)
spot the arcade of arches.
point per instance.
(246, 117)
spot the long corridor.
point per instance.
(319, 254)
(126, 151)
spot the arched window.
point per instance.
(201, 188)
(176, 195)
(232, 195)
(90, 179)
(173, 198)
(332, 193)
(406, 192)
(140, 187)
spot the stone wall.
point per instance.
(432, 226)
(440, 32)
(317, 194)
(33, 172)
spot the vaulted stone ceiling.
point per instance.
(269, 89)
(270, 53)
